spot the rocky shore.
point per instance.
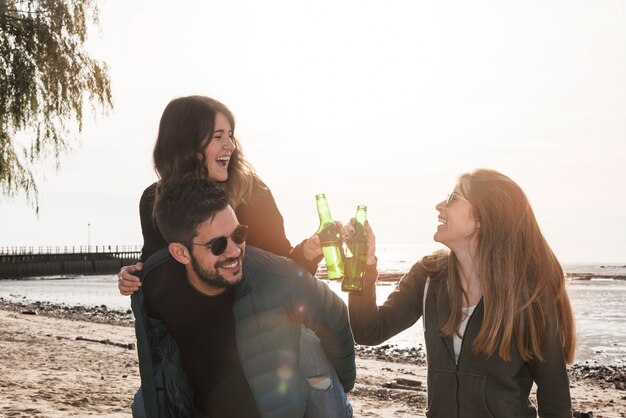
(391, 382)
(388, 353)
(594, 276)
(98, 314)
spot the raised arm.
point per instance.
(267, 230)
(372, 324)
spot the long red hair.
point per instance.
(522, 282)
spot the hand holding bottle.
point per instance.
(371, 244)
(356, 252)
(312, 247)
(349, 230)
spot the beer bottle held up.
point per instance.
(357, 257)
(330, 238)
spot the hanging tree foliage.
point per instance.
(45, 79)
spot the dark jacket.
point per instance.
(274, 298)
(266, 229)
(476, 387)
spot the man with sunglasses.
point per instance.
(218, 334)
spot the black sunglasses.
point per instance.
(218, 245)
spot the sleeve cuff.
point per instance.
(371, 274)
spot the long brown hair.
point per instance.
(186, 128)
(522, 282)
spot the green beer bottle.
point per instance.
(330, 239)
(355, 262)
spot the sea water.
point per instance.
(598, 304)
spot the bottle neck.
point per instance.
(323, 211)
(361, 215)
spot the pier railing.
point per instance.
(68, 249)
(26, 261)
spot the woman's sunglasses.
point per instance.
(218, 245)
(453, 196)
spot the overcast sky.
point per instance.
(382, 103)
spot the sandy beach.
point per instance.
(68, 365)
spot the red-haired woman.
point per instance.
(496, 313)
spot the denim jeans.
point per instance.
(137, 407)
(326, 399)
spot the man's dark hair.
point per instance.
(181, 207)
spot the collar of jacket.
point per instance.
(443, 306)
(243, 288)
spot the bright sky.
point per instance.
(381, 103)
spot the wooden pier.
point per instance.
(19, 262)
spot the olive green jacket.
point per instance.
(476, 387)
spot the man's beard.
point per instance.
(213, 278)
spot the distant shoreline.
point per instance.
(394, 277)
(593, 276)
(389, 272)
(382, 277)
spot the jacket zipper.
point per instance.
(456, 373)
(456, 366)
